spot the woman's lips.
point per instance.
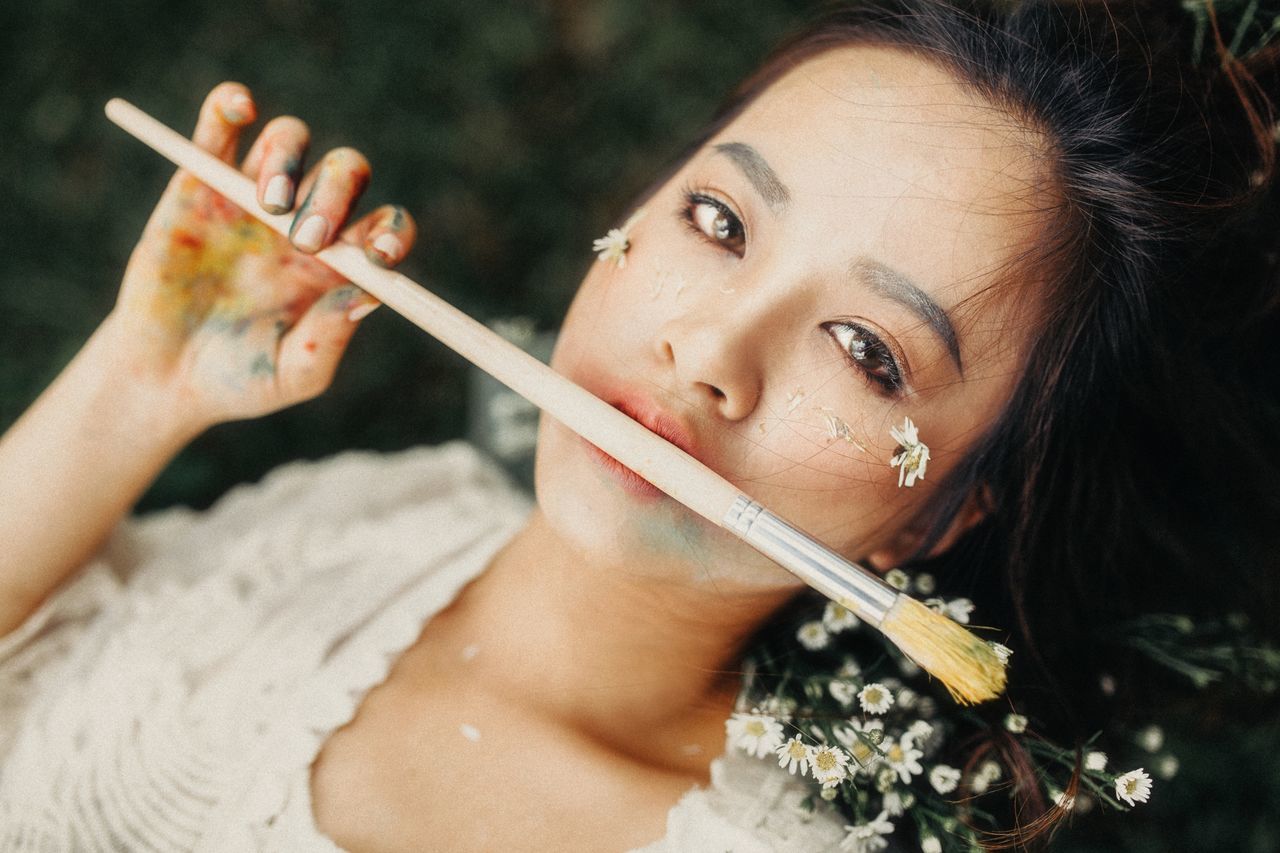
(628, 479)
(657, 421)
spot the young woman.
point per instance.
(992, 222)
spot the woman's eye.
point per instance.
(713, 220)
(868, 353)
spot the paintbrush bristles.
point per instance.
(966, 664)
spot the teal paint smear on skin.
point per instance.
(262, 365)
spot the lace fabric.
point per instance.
(173, 694)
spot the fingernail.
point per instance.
(278, 197)
(361, 311)
(388, 247)
(311, 234)
(238, 108)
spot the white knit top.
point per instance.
(173, 694)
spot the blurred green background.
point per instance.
(515, 133)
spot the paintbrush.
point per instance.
(967, 665)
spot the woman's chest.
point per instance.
(454, 770)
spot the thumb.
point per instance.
(311, 350)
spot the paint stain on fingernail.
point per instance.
(389, 247)
(278, 196)
(238, 109)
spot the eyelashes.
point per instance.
(715, 223)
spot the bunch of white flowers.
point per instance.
(869, 737)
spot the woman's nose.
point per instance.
(712, 361)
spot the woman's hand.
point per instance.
(227, 318)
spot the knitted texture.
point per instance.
(173, 694)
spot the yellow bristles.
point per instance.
(966, 664)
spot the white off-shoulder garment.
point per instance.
(172, 696)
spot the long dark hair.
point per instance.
(1135, 468)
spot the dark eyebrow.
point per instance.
(892, 284)
(758, 172)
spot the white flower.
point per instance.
(1134, 785)
(930, 844)
(903, 757)
(836, 618)
(925, 583)
(793, 755)
(1002, 651)
(987, 773)
(1107, 684)
(1015, 723)
(918, 731)
(1151, 738)
(908, 667)
(774, 706)
(754, 734)
(828, 765)
(875, 698)
(867, 836)
(912, 456)
(1061, 800)
(1095, 761)
(849, 669)
(1167, 766)
(813, 636)
(614, 245)
(866, 756)
(906, 698)
(959, 610)
(944, 779)
(898, 579)
(843, 691)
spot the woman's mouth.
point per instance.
(653, 418)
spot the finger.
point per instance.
(227, 108)
(275, 160)
(329, 191)
(310, 351)
(386, 235)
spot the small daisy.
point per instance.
(855, 736)
(813, 636)
(754, 734)
(1095, 761)
(1167, 766)
(944, 779)
(959, 610)
(895, 803)
(988, 772)
(1134, 785)
(1062, 800)
(918, 731)
(898, 579)
(903, 758)
(930, 844)
(1015, 723)
(906, 698)
(875, 698)
(925, 584)
(1151, 738)
(793, 755)
(828, 764)
(843, 691)
(614, 245)
(912, 455)
(849, 669)
(837, 618)
(868, 836)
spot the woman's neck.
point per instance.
(610, 650)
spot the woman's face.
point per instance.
(795, 290)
